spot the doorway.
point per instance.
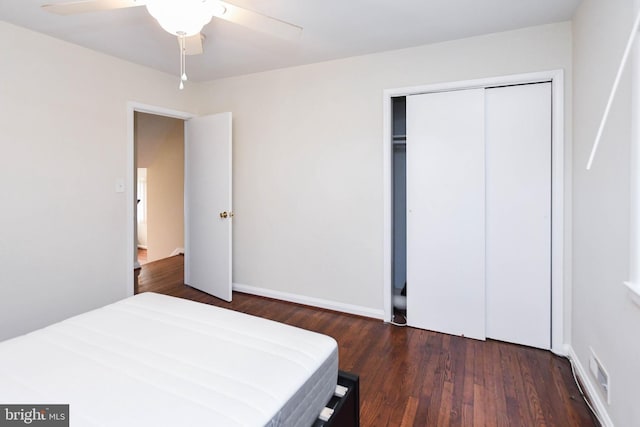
(159, 149)
(131, 177)
(557, 172)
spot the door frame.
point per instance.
(560, 173)
(130, 187)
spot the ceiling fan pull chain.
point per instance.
(184, 59)
(183, 71)
(181, 44)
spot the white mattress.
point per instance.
(155, 360)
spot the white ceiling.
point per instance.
(332, 29)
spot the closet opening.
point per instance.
(399, 190)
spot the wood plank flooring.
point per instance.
(413, 377)
(142, 256)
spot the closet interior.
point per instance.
(399, 185)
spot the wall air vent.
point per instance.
(600, 375)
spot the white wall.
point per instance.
(604, 317)
(308, 157)
(63, 245)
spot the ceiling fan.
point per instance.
(185, 19)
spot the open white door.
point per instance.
(208, 214)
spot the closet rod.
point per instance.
(614, 89)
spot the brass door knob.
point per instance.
(224, 214)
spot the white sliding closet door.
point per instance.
(446, 213)
(518, 209)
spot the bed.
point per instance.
(156, 360)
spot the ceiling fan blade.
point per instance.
(193, 44)
(84, 6)
(259, 22)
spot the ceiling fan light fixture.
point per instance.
(184, 17)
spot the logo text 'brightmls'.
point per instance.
(36, 415)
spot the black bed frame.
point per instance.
(346, 409)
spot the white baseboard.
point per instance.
(177, 251)
(314, 302)
(142, 246)
(590, 389)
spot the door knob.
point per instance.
(224, 214)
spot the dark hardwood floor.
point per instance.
(142, 256)
(413, 377)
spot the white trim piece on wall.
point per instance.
(589, 387)
(614, 89)
(556, 77)
(310, 301)
(132, 107)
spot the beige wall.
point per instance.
(308, 157)
(604, 317)
(160, 148)
(63, 241)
